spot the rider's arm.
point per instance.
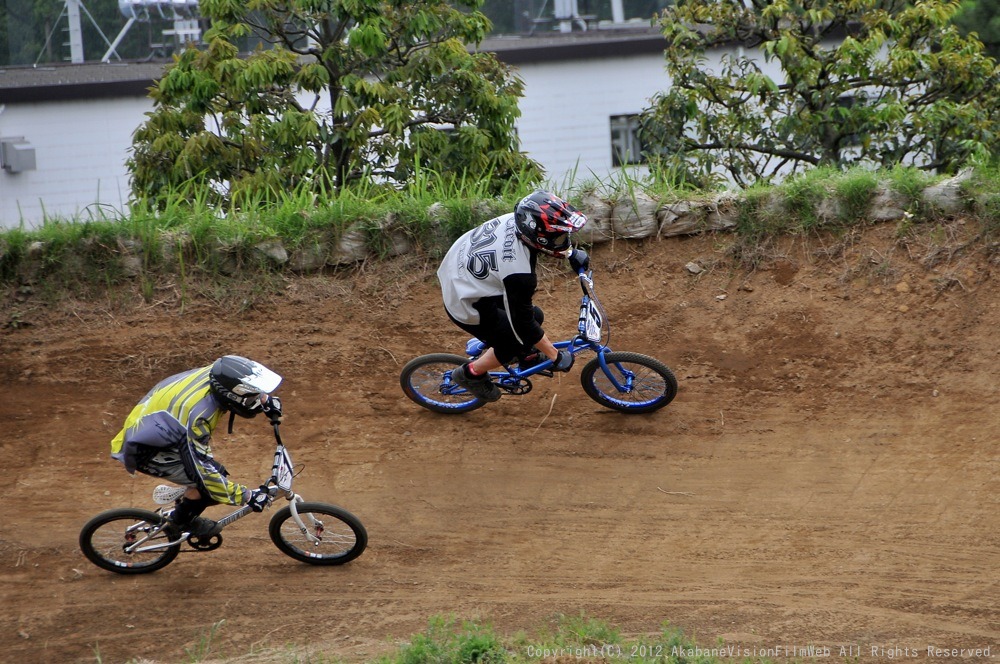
(546, 347)
(211, 476)
(518, 290)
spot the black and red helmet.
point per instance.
(545, 222)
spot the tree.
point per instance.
(864, 82)
(982, 18)
(351, 90)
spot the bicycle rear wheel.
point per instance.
(104, 540)
(332, 535)
(426, 380)
(646, 383)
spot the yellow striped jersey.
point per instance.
(180, 413)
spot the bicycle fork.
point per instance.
(624, 388)
(315, 523)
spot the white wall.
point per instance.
(80, 153)
(567, 106)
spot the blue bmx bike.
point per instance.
(622, 381)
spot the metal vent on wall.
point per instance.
(16, 154)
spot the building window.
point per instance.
(626, 148)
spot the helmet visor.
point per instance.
(261, 379)
(576, 221)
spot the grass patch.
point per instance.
(802, 196)
(910, 182)
(450, 640)
(983, 190)
(854, 191)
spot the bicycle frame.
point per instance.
(593, 333)
(280, 483)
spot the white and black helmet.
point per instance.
(238, 384)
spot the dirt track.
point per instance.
(828, 474)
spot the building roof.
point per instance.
(95, 80)
(624, 40)
(77, 81)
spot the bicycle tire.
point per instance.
(423, 381)
(654, 385)
(344, 536)
(104, 543)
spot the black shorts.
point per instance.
(494, 329)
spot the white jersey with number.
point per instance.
(477, 265)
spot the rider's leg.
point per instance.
(477, 380)
(187, 509)
(167, 464)
(502, 347)
(187, 516)
(484, 363)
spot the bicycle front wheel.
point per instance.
(426, 380)
(329, 535)
(633, 383)
(127, 541)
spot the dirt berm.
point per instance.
(828, 474)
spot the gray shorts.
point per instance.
(166, 466)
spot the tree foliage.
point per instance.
(352, 90)
(982, 18)
(863, 82)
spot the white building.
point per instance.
(72, 125)
(68, 129)
(583, 92)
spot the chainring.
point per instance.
(210, 543)
(522, 386)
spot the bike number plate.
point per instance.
(284, 472)
(592, 322)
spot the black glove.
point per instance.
(272, 408)
(579, 260)
(564, 361)
(259, 499)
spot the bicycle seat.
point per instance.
(474, 347)
(165, 494)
